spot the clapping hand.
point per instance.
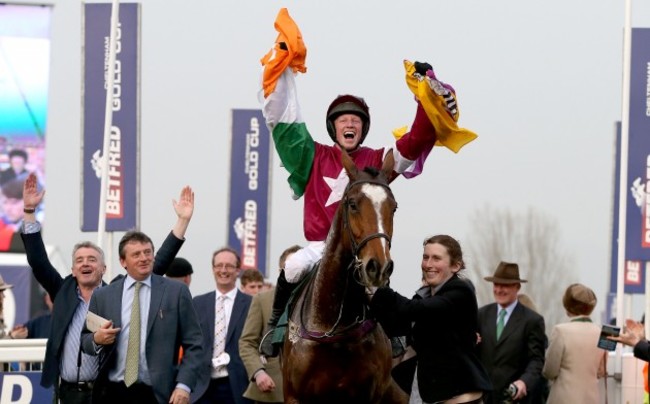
(632, 333)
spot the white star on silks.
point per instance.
(337, 185)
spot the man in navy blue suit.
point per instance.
(222, 315)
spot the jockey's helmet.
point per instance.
(348, 104)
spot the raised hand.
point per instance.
(32, 197)
(185, 206)
(184, 209)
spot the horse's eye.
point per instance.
(395, 209)
(352, 204)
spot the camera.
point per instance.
(509, 393)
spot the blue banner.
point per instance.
(23, 387)
(122, 204)
(249, 188)
(637, 243)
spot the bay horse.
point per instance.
(334, 351)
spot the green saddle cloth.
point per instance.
(283, 322)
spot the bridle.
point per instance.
(356, 247)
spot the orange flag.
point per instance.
(289, 51)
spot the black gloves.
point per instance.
(422, 67)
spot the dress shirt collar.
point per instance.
(509, 309)
(128, 281)
(229, 295)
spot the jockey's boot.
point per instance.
(398, 345)
(283, 291)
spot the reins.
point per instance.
(330, 335)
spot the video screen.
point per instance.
(24, 83)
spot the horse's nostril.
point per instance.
(389, 268)
(372, 269)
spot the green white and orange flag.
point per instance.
(281, 110)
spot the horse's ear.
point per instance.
(348, 164)
(389, 164)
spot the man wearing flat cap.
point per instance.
(512, 340)
(181, 270)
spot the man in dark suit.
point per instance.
(222, 315)
(71, 372)
(512, 339)
(150, 317)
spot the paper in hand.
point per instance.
(95, 322)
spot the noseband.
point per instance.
(356, 247)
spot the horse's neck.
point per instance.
(332, 283)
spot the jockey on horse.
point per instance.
(315, 169)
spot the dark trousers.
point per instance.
(75, 393)
(118, 393)
(218, 391)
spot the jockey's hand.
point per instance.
(422, 68)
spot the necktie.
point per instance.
(133, 350)
(219, 327)
(501, 323)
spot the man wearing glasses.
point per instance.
(222, 315)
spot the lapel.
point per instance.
(210, 314)
(489, 325)
(114, 306)
(237, 312)
(158, 288)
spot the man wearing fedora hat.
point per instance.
(512, 340)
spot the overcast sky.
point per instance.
(540, 82)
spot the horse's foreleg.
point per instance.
(394, 394)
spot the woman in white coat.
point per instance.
(574, 363)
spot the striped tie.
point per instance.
(219, 327)
(133, 351)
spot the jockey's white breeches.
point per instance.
(302, 260)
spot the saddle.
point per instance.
(283, 322)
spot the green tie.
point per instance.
(133, 350)
(501, 323)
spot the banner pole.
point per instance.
(108, 123)
(623, 179)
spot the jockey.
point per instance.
(315, 169)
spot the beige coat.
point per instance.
(574, 363)
(258, 317)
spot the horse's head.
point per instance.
(368, 209)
